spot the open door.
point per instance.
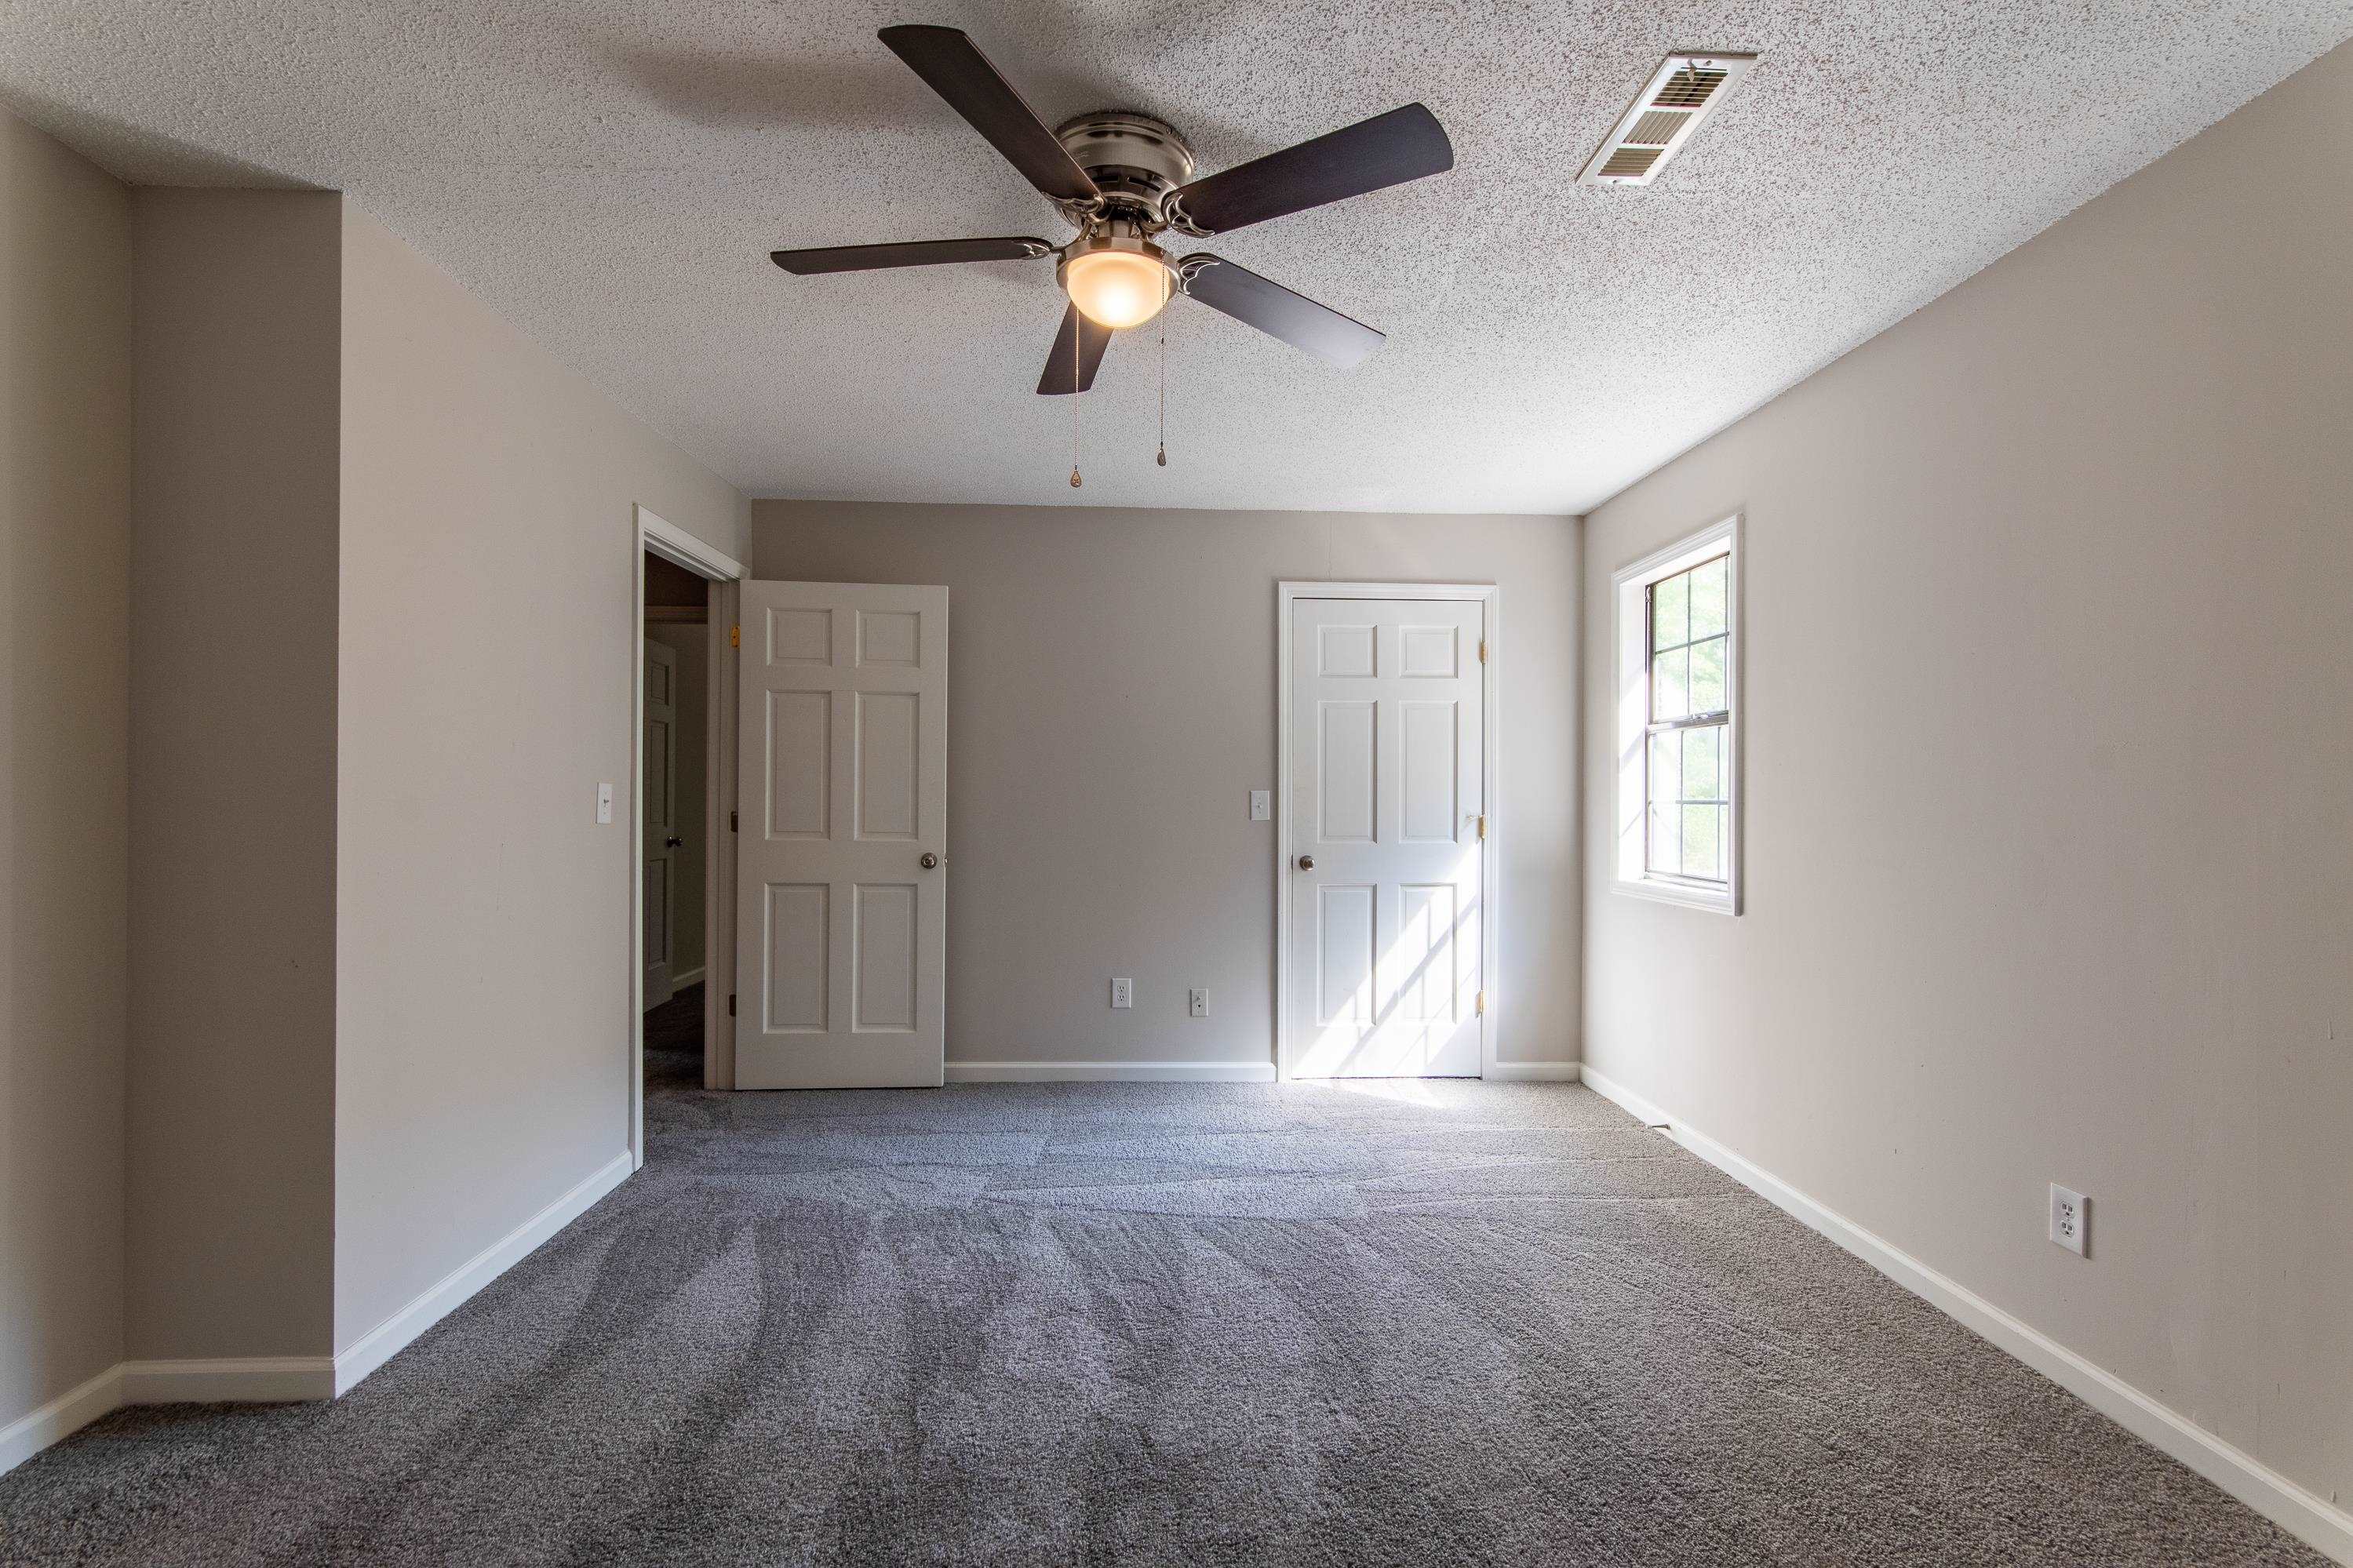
(657, 792)
(842, 841)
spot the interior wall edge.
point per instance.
(67, 294)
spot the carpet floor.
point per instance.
(1161, 1324)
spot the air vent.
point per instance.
(1684, 91)
(1657, 128)
(1626, 163)
(1689, 88)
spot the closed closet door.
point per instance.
(1386, 880)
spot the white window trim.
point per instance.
(1629, 629)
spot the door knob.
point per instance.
(673, 841)
(929, 860)
(1308, 862)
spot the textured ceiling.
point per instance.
(611, 177)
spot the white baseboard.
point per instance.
(238, 1380)
(395, 1334)
(61, 1417)
(1111, 1072)
(2309, 1517)
(269, 1380)
(1199, 1072)
(1532, 1072)
(687, 977)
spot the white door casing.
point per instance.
(841, 926)
(658, 794)
(1387, 876)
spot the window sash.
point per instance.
(1654, 727)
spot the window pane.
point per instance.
(1707, 675)
(1669, 624)
(1707, 597)
(1703, 751)
(1667, 838)
(1702, 842)
(1666, 768)
(1669, 684)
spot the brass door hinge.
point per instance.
(731, 1003)
(731, 823)
(1483, 825)
(735, 637)
(1483, 1004)
(1482, 650)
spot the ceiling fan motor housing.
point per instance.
(1133, 159)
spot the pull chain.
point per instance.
(1078, 331)
(1162, 459)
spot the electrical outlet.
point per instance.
(1197, 1001)
(2071, 1221)
(1122, 992)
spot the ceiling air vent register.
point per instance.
(1680, 94)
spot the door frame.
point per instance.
(674, 544)
(1490, 598)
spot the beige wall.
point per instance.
(233, 773)
(488, 634)
(1111, 704)
(2049, 705)
(691, 644)
(65, 482)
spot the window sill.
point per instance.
(1724, 902)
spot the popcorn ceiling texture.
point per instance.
(611, 177)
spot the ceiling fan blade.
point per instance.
(1092, 337)
(1277, 311)
(915, 253)
(954, 66)
(1387, 150)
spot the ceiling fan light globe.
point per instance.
(1117, 289)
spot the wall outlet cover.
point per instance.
(2070, 1220)
(1122, 992)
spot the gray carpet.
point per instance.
(1168, 1324)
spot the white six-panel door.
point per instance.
(1387, 750)
(841, 928)
(658, 831)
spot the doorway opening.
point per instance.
(682, 776)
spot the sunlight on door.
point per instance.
(1394, 1014)
(1387, 733)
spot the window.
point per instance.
(1678, 811)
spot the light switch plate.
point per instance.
(1197, 1001)
(603, 802)
(1122, 992)
(1261, 805)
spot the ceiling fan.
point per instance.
(1125, 179)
